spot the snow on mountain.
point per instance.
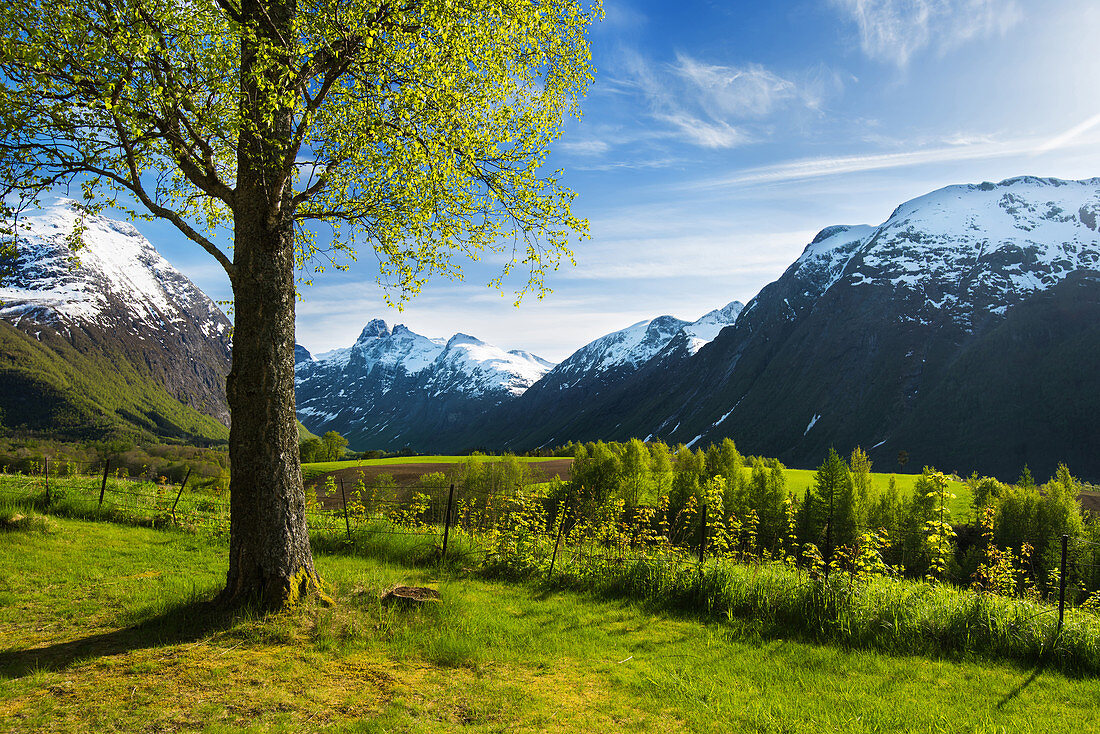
(704, 330)
(393, 387)
(629, 348)
(112, 299)
(462, 363)
(377, 346)
(966, 245)
(469, 364)
(117, 275)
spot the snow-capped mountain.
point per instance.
(628, 349)
(962, 330)
(112, 300)
(584, 384)
(397, 388)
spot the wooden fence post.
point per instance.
(344, 499)
(103, 486)
(557, 541)
(447, 522)
(46, 472)
(1062, 584)
(178, 494)
(703, 537)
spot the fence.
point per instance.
(522, 527)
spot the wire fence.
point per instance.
(522, 526)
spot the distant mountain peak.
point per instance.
(461, 338)
(390, 386)
(375, 329)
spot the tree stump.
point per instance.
(412, 595)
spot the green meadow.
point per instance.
(124, 640)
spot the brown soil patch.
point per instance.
(408, 475)
(1089, 501)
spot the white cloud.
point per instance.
(713, 105)
(707, 134)
(896, 30)
(833, 166)
(1069, 136)
(584, 147)
(737, 92)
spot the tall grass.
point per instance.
(880, 613)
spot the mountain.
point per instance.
(392, 389)
(573, 399)
(107, 337)
(963, 331)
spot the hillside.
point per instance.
(108, 338)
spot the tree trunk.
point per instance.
(270, 560)
(269, 555)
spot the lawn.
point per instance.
(105, 627)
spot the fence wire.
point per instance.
(493, 525)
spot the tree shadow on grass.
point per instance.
(186, 622)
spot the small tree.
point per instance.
(860, 465)
(939, 533)
(333, 446)
(830, 507)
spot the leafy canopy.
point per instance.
(415, 128)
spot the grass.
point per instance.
(798, 480)
(316, 469)
(769, 599)
(122, 641)
(961, 507)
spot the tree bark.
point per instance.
(270, 560)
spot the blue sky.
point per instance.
(719, 137)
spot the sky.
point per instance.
(719, 137)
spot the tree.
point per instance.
(413, 128)
(311, 450)
(860, 465)
(829, 506)
(333, 446)
(635, 463)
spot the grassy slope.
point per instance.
(799, 479)
(118, 642)
(64, 392)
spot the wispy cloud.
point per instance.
(715, 105)
(1069, 136)
(895, 30)
(591, 146)
(808, 168)
(738, 92)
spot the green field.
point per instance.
(797, 479)
(123, 641)
(316, 469)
